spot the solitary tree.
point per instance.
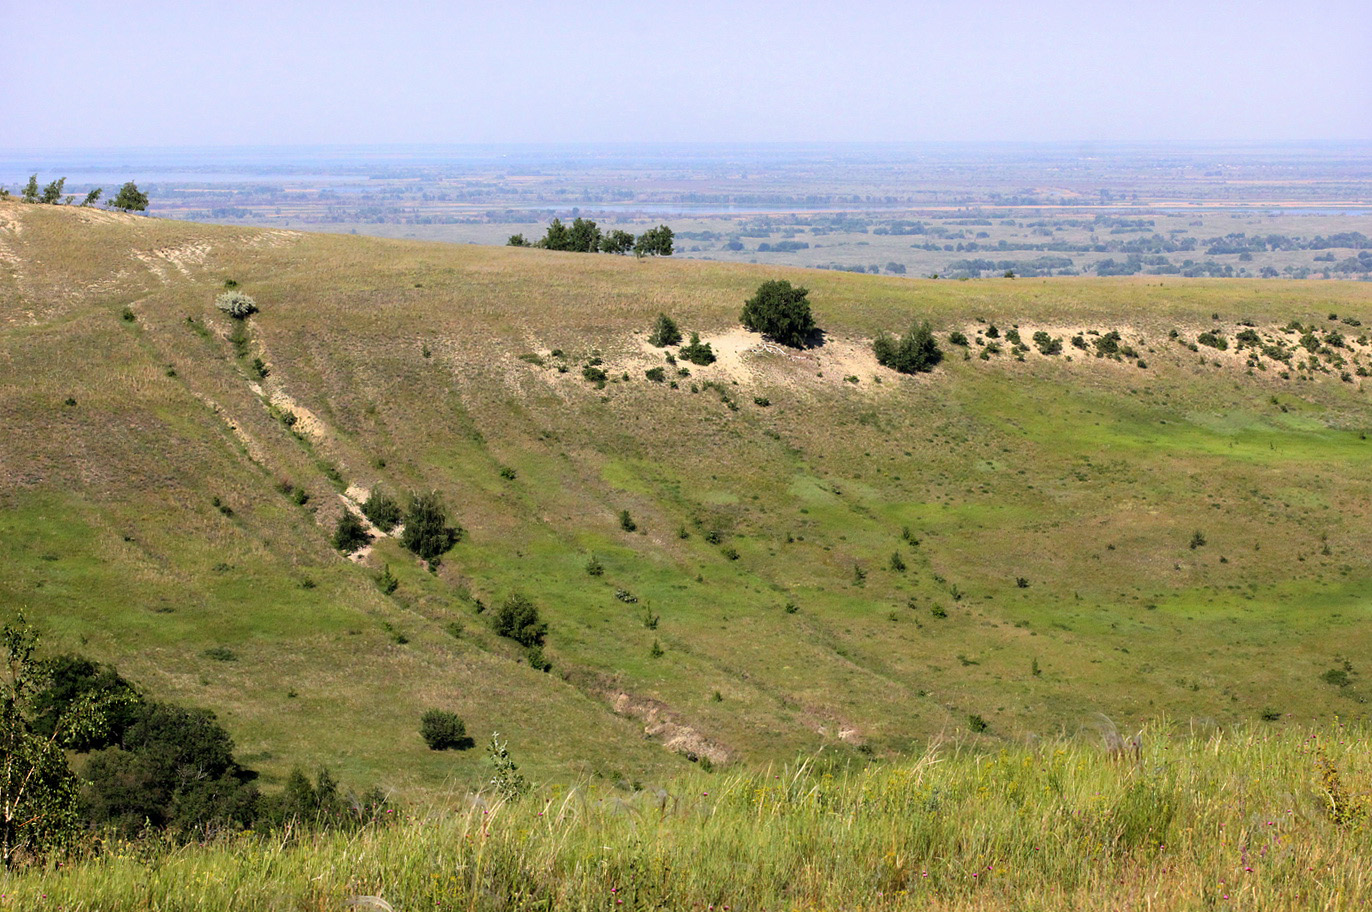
(130, 198)
(518, 619)
(93, 197)
(31, 189)
(781, 312)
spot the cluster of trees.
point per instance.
(426, 533)
(143, 763)
(584, 236)
(129, 198)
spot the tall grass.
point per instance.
(1234, 821)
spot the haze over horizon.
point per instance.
(153, 73)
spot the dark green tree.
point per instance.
(517, 240)
(444, 730)
(350, 534)
(30, 194)
(781, 312)
(130, 198)
(915, 353)
(517, 618)
(382, 510)
(52, 193)
(38, 791)
(557, 236)
(93, 197)
(427, 533)
(583, 236)
(665, 332)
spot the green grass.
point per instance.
(1087, 478)
(1251, 818)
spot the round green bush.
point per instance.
(443, 730)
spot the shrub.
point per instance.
(656, 374)
(897, 562)
(915, 353)
(594, 567)
(1338, 677)
(656, 651)
(1046, 344)
(259, 369)
(592, 374)
(626, 522)
(781, 312)
(443, 730)
(386, 581)
(956, 337)
(1214, 340)
(976, 723)
(697, 352)
(381, 510)
(517, 619)
(236, 304)
(665, 332)
(427, 533)
(1197, 539)
(350, 534)
(536, 659)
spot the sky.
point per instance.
(80, 74)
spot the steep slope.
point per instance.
(1043, 508)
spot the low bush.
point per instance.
(915, 353)
(444, 730)
(697, 352)
(236, 304)
(381, 510)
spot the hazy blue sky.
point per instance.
(182, 72)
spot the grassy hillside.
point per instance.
(1043, 508)
(1063, 826)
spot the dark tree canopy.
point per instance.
(130, 198)
(518, 619)
(427, 533)
(915, 353)
(781, 312)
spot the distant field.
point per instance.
(1045, 511)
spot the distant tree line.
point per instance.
(129, 198)
(584, 236)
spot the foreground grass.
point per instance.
(1242, 820)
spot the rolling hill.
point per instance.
(824, 553)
